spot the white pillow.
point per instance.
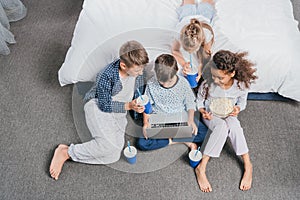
(104, 25)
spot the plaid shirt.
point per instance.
(108, 84)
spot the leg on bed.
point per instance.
(185, 2)
(208, 1)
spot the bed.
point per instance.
(266, 29)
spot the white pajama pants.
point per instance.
(221, 129)
(107, 130)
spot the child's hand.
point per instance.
(198, 77)
(186, 68)
(205, 114)
(147, 125)
(194, 127)
(207, 48)
(136, 107)
(236, 111)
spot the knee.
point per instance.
(200, 137)
(236, 131)
(202, 128)
(106, 158)
(233, 122)
(143, 144)
(221, 124)
(235, 128)
(221, 128)
(151, 144)
(115, 157)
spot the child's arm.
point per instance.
(240, 105)
(205, 114)
(236, 111)
(191, 121)
(199, 70)
(105, 102)
(209, 35)
(179, 57)
(104, 91)
(207, 47)
(176, 52)
(242, 101)
(145, 124)
(201, 100)
(134, 106)
(205, 50)
(190, 105)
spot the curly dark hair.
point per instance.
(234, 62)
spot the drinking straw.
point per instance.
(128, 144)
(197, 151)
(140, 94)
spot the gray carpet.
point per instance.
(36, 115)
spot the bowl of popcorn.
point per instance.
(221, 107)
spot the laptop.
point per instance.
(164, 126)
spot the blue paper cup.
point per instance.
(148, 108)
(192, 79)
(146, 103)
(130, 155)
(195, 160)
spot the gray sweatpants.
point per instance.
(107, 130)
(221, 129)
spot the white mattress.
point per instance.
(266, 29)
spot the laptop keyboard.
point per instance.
(169, 125)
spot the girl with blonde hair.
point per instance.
(192, 49)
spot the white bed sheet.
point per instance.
(266, 29)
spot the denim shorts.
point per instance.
(204, 9)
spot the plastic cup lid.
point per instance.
(129, 154)
(193, 157)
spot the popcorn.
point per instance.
(221, 107)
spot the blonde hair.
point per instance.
(133, 53)
(192, 35)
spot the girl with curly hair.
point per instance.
(229, 78)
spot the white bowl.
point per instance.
(221, 107)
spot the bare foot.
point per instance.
(202, 180)
(247, 178)
(59, 158)
(191, 145)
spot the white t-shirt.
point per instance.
(126, 94)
